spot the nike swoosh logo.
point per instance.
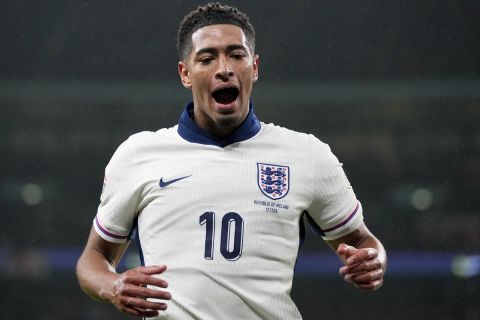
(163, 184)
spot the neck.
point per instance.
(192, 132)
(219, 129)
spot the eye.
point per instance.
(205, 60)
(238, 55)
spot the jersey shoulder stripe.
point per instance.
(107, 235)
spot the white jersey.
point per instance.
(225, 216)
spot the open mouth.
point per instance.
(225, 95)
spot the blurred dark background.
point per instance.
(393, 87)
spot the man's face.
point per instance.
(220, 70)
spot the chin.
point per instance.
(228, 120)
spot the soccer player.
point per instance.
(217, 202)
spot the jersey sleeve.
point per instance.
(120, 196)
(334, 210)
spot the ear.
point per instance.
(256, 61)
(184, 74)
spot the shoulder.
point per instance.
(295, 138)
(145, 138)
(272, 130)
(136, 144)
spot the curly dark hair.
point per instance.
(209, 14)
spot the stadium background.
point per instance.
(393, 87)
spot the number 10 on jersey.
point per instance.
(231, 235)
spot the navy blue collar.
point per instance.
(189, 130)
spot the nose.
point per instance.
(224, 71)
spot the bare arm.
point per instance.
(364, 258)
(97, 276)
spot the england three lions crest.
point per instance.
(273, 180)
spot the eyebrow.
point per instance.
(229, 48)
